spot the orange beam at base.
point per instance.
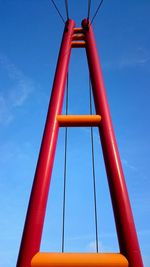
(79, 260)
(78, 120)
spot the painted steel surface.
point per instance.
(78, 120)
(79, 260)
(31, 238)
(127, 236)
(78, 44)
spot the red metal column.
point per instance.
(31, 238)
(122, 210)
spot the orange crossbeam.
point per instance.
(78, 30)
(79, 36)
(78, 120)
(79, 260)
(76, 44)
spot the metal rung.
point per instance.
(78, 30)
(79, 260)
(79, 36)
(76, 44)
(78, 120)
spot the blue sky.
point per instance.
(30, 38)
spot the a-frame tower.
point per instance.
(29, 254)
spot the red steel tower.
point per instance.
(29, 254)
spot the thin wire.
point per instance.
(96, 11)
(67, 10)
(58, 11)
(89, 8)
(93, 169)
(65, 173)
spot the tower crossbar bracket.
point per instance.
(79, 260)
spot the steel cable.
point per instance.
(67, 9)
(89, 8)
(93, 170)
(96, 12)
(57, 9)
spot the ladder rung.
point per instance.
(78, 120)
(76, 44)
(78, 30)
(79, 260)
(79, 36)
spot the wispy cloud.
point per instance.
(14, 95)
(144, 232)
(128, 165)
(11, 151)
(92, 246)
(5, 111)
(80, 237)
(139, 57)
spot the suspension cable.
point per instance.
(89, 8)
(96, 12)
(93, 169)
(65, 173)
(67, 9)
(57, 9)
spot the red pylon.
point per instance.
(128, 242)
